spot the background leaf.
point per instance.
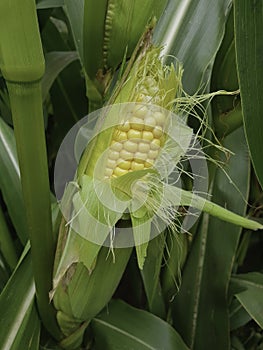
(19, 322)
(249, 51)
(121, 326)
(192, 31)
(251, 294)
(208, 268)
(10, 184)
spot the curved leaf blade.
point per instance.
(122, 326)
(193, 35)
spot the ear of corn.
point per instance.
(131, 155)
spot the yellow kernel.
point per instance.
(149, 81)
(155, 144)
(119, 172)
(124, 164)
(147, 135)
(143, 147)
(134, 134)
(114, 155)
(159, 118)
(130, 146)
(119, 135)
(116, 146)
(157, 132)
(149, 123)
(126, 155)
(140, 157)
(136, 123)
(111, 163)
(153, 154)
(137, 166)
(125, 126)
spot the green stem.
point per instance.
(6, 243)
(26, 103)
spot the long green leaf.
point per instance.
(122, 326)
(10, 184)
(249, 51)
(201, 306)
(192, 31)
(251, 294)
(19, 322)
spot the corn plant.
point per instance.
(144, 232)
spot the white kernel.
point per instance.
(157, 132)
(149, 123)
(116, 146)
(153, 154)
(114, 155)
(143, 147)
(159, 118)
(111, 163)
(130, 146)
(126, 155)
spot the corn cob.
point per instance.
(127, 146)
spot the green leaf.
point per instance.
(19, 322)
(46, 4)
(10, 184)
(151, 276)
(201, 307)
(192, 31)
(238, 316)
(251, 294)
(55, 63)
(249, 51)
(121, 326)
(75, 12)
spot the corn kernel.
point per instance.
(136, 123)
(157, 132)
(108, 172)
(147, 135)
(124, 164)
(137, 166)
(111, 163)
(119, 172)
(159, 118)
(140, 157)
(125, 126)
(143, 147)
(130, 146)
(149, 123)
(134, 134)
(153, 154)
(116, 146)
(140, 111)
(119, 135)
(126, 155)
(155, 144)
(114, 155)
